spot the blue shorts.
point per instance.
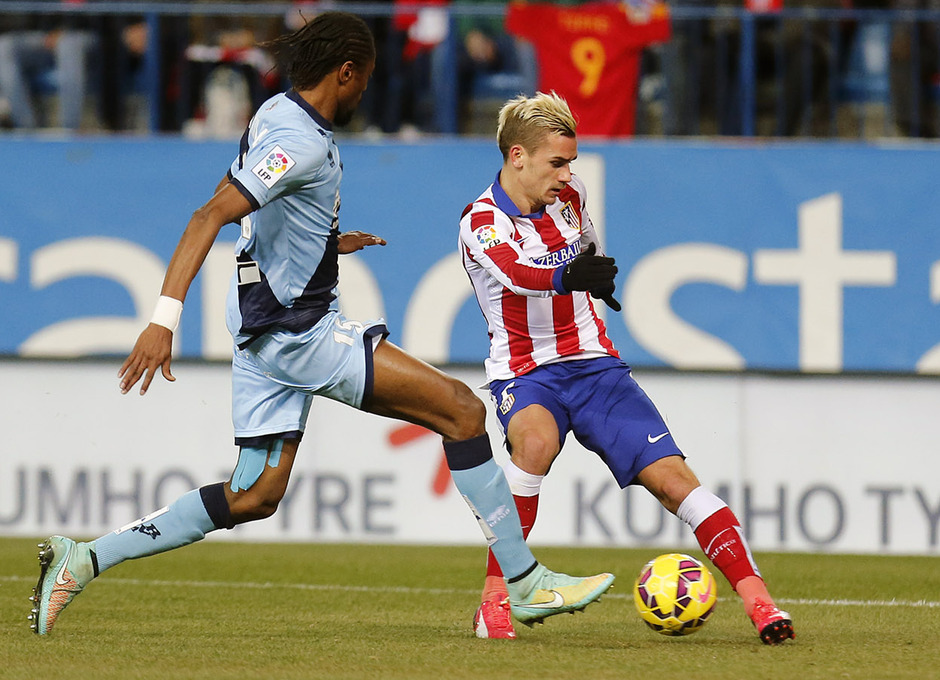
(600, 402)
(275, 378)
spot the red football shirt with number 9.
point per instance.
(590, 55)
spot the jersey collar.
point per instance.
(295, 97)
(504, 203)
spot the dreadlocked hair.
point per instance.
(325, 43)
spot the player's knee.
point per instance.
(252, 505)
(670, 480)
(266, 507)
(534, 451)
(671, 494)
(467, 413)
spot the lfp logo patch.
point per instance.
(486, 235)
(273, 167)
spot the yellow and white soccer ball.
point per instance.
(675, 594)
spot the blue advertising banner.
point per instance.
(805, 257)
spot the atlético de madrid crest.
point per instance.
(570, 216)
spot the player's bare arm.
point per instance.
(221, 185)
(153, 348)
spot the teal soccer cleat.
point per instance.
(66, 567)
(544, 593)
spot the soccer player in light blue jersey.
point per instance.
(291, 342)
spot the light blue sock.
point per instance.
(183, 522)
(486, 491)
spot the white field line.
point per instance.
(322, 587)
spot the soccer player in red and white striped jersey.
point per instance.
(535, 263)
(514, 261)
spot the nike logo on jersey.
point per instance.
(556, 601)
(652, 440)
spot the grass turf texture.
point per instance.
(222, 610)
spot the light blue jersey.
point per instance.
(290, 170)
(292, 342)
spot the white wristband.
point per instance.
(167, 313)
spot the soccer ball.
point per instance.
(675, 594)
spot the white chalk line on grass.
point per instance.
(321, 587)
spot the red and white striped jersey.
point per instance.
(514, 262)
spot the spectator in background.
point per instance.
(124, 45)
(482, 47)
(373, 112)
(8, 23)
(127, 79)
(485, 48)
(793, 63)
(492, 66)
(915, 71)
(413, 35)
(47, 53)
(228, 74)
(590, 55)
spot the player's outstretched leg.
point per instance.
(493, 618)
(65, 568)
(542, 593)
(720, 536)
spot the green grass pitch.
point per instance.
(224, 610)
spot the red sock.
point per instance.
(723, 542)
(528, 507)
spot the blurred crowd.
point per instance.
(633, 67)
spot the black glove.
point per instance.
(606, 293)
(589, 272)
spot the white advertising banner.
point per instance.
(808, 463)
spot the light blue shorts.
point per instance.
(275, 378)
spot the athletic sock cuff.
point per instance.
(468, 453)
(698, 506)
(213, 498)
(516, 579)
(522, 483)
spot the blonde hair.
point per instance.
(527, 120)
